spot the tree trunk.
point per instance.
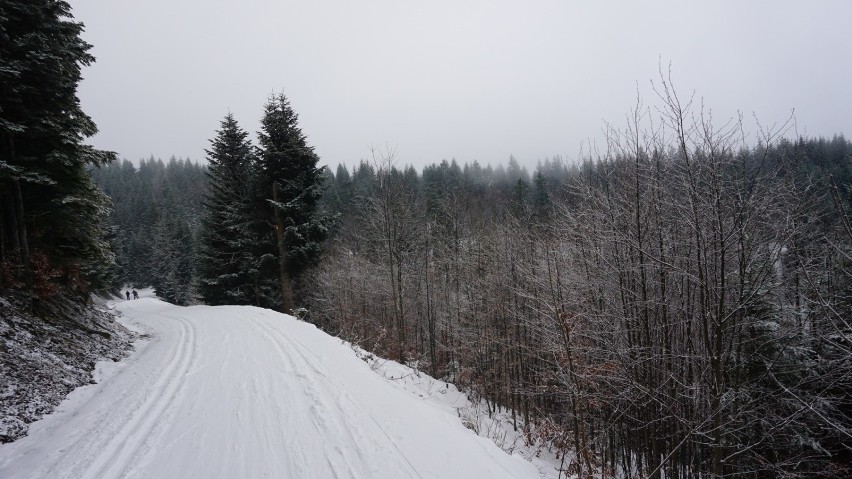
(284, 275)
(24, 246)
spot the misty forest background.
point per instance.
(676, 304)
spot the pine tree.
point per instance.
(49, 204)
(228, 262)
(288, 190)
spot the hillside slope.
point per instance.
(45, 356)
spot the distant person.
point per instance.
(128, 294)
(135, 294)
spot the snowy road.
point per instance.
(241, 392)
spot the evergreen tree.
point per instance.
(520, 198)
(172, 261)
(541, 197)
(364, 181)
(227, 260)
(49, 204)
(289, 186)
(342, 196)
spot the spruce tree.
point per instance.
(343, 189)
(49, 204)
(288, 188)
(228, 263)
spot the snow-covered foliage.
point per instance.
(47, 356)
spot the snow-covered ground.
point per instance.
(243, 392)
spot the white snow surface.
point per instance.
(244, 392)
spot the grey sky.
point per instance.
(471, 80)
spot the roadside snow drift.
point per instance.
(243, 392)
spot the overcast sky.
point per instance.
(465, 79)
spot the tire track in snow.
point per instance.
(286, 345)
(115, 459)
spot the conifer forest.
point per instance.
(676, 303)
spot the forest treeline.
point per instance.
(152, 229)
